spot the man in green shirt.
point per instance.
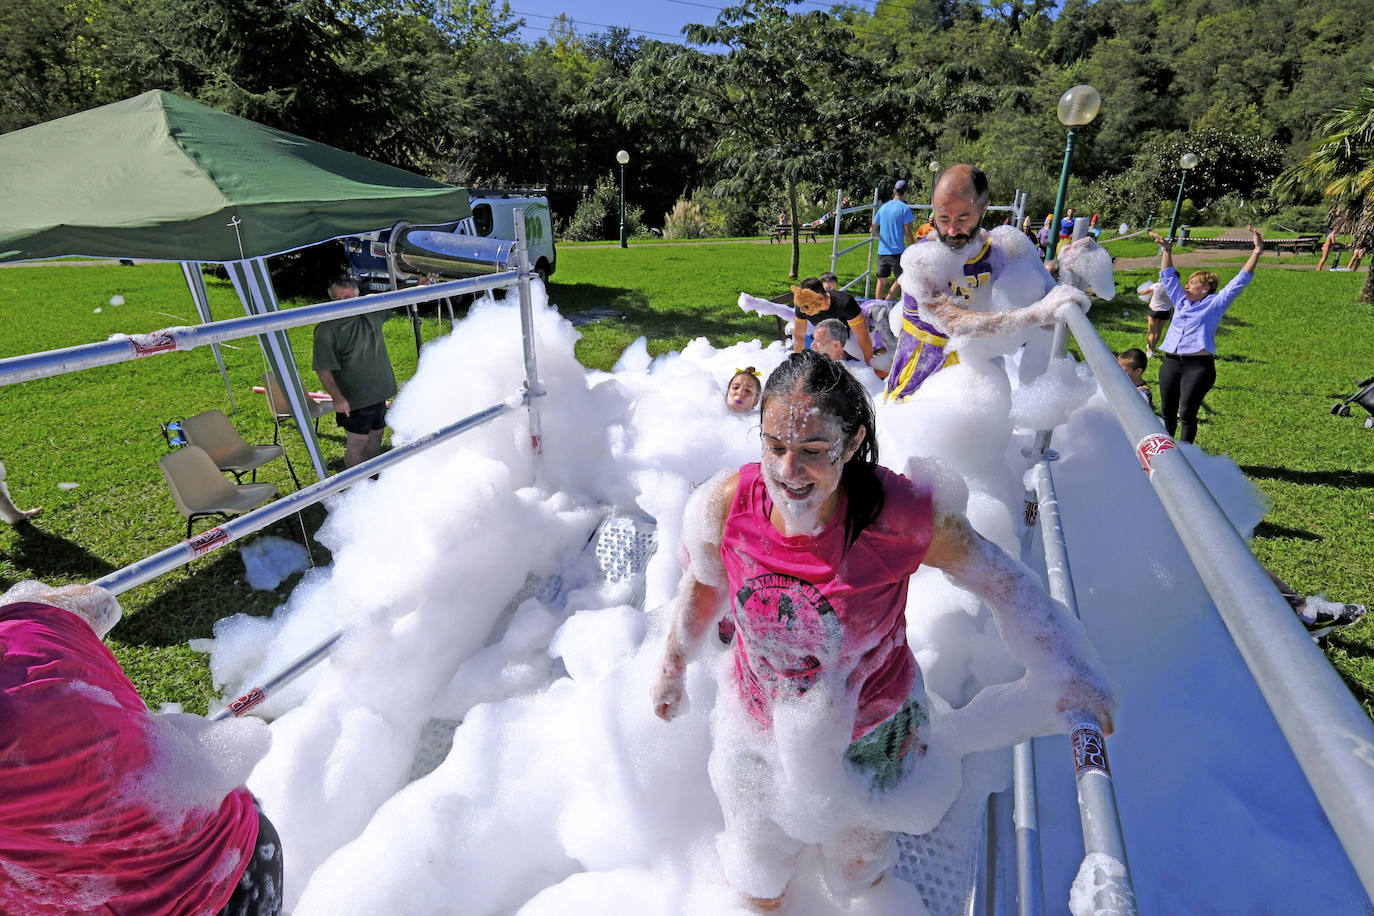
(351, 360)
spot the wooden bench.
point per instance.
(1309, 244)
(780, 233)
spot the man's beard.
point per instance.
(954, 242)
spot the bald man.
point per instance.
(948, 283)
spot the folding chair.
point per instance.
(281, 409)
(200, 490)
(212, 431)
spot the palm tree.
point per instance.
(1341, 168)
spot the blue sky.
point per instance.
(659, 19)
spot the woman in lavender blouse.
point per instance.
(1189, 368)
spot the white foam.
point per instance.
(462, 581)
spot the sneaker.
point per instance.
(1149, 353)
(1331, 616)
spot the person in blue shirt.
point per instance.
(1189, 368)
(892, 225)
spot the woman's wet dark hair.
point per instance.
(836, 392)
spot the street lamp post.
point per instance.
(934, 170)
(1077, 107)
(622, 157)
(1186, 163)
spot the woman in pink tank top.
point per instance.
(807, 556)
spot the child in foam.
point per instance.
(823, 730)
(103, 807)
(742, 394)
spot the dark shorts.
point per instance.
(886, 753)
(259, 890)
(364, 420)
(889, 265)
(1160, 316)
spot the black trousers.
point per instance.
(1183, 382)
(259, 890)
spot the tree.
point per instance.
(1341, 168)
(785, 103)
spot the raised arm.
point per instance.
(1252, 261)
(1166, 251)
(1037, 630)
(702, 594)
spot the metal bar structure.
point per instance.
(1327, 730)
(1097, 807)
(532, 387)
(1030, 886)
(149, 568)
(120, 349)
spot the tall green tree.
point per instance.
(1341, 168)
(785, 102)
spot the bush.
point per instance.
(597, 217)
(685, 221)
(1309, 219)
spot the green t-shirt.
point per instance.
(354, 350)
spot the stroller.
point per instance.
(1364, 397)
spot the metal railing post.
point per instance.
(532, 386)
(1097, 808)
(1327, 730)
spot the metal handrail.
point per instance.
(120, 349)
(1327, 730)
(150, 567)
(1097, 808)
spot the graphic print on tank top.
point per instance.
(790, 630)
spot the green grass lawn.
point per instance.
(1293, 342)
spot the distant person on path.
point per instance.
(1326, 248)
(104, 806)
(351, 360)
(8, 510)
(1158, 309)
(1189, 369)
(892, 225)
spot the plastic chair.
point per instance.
(200, 490)
(212, 431)
(281, 409)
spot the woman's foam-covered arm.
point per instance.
(702, 592)
(1039, 631)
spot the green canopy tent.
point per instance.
(160, 177)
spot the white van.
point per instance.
(493, 216)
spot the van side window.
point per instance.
(481, 219)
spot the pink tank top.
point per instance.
(72, 840)
(803, 605)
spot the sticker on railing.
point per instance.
(1149, 447)
(152, 344)
(248, 701)
(1031, 512)
(207, 541)
(1089, 751)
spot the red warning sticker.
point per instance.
(151, 344)
(1146, 450)
(207, 541)
(1089, 751)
